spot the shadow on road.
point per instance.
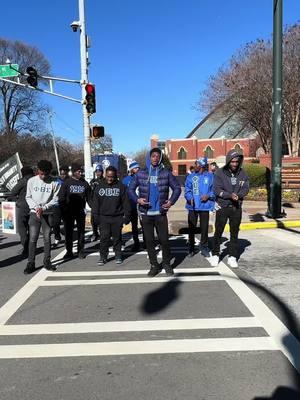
(161, 298)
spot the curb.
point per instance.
(180, 227)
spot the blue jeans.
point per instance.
(35, 225)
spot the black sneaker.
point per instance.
(30, 268)
(102, 261)
(68, 256)
(81, 255)
(119, 261)
(49, 266)
(154, 270)
(191, 253)
(169, 270)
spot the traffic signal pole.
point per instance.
(275, 210)
(84, 81)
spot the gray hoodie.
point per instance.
(42, 194)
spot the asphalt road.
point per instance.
(86, 332)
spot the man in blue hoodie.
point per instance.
(231, 185)
(200, 201)
(154, 183)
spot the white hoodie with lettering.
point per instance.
(42, 194)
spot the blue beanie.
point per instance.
(202, 162)
(99, 167)
(133, 164)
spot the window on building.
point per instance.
(238, 149)
(181, 154)
(182, 169)
(208, 152)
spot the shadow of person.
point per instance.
(258, 217)
(282, 393)
(161, 298)
(243, 244)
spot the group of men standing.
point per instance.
(146, 194)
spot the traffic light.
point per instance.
(97, 132)
(32, 77)
(90, 98)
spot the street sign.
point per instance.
(7, 72)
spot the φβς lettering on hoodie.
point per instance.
(111, 199)
(73, 195)
(42, 193)
(227, 182)
(196, 186)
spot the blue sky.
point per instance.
(149, 59)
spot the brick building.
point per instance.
(214, 136)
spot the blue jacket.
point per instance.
(196, 186)
(126, 181)
(166, 180)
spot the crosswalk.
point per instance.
(276, 338)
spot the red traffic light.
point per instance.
(90, 98)
(97, 132)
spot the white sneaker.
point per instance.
(214, 261)
(232, 262)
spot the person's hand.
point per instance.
(234, 197)
(204, 198)
(167, 204)
(143, 202)
(39, 212)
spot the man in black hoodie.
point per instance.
(73, 195)
(18, 194)
(111, 209)
(231, 185)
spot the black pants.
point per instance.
(134, 226)
(35, 225)
(69, 221)
(95, 227)
(23, 227)
(234, 215)
(111, 227)
(192, 221)
(56, 224)
(160, 222)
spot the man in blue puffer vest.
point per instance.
(154, 183)
(200, 201)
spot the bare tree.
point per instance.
(244, 88)
(22, 107)
(99, 146)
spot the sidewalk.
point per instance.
(253, 217)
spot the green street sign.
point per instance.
(7, 72)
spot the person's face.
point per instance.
(234, 164)
(155, 156)
(212, 168)
(99, 174)
(135, 170)
(110, 177)
(78, 174)
(63, 174)
(43, 174)
(197, 167)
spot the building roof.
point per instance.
(217, 124)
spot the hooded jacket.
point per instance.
(196, 186)
(165, 181)
(18, 193)
(111, 200)
(227, 182)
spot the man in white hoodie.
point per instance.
(42, 198)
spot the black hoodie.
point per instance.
(111, 200)
(18, 193)
(227, 182)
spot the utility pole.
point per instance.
(54, 143)
(275, 210)
(84, 81)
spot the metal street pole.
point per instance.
(54, 144)
(84, 81)
(275, 198)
